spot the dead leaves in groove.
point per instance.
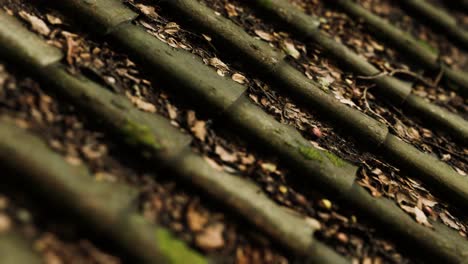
(37, 24)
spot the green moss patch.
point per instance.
(137, 134)
(311, 153)
(315, 154)
(337, 161)
(175, 250)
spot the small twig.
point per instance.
(366, 103)
(439, 77)
(406, 72)
(446, 150)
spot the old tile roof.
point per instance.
(309, 105)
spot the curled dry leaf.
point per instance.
(225, 155)
(141, 104)
(199, 130)
(171, 28)
(239, 78)
(149, 11)
(290, 49)
(449, 221)
(195, 220)
(37, 24)
(172, 111)
(218, 64)
(248, 159)
(461, 172)
(264, 35)
(54, 20)
(419, 215)
(231, 10)
(270, 167)
(211, 238)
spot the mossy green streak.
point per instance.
(314, 154)
(140, 134)
(175, 250)
(311, 153)
(337, 161)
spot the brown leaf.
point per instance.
(148, 11)
(418, 214)
(231, 10)
(37, 24)
(289, 47)
(225, 155)
(248, 159)
(239, 78)
(195, 220)
(446, 219)
(141, 104)
(199, 130)
(211, 238)
(171, 28)
(264, 35)
(218, 64)
(172, 110)
(54, 20)
(270, 167)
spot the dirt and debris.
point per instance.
(194, 218)
(55, 241)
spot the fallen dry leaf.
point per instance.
(199, 130)
(195, 220)
(290, 49)
(171, 28)
(211, 238)
(225, 155)
(172, 111)
(148, 11)
(231, 10)
(270, 167)
(248, 160)
(54, 20)
(239, 78)
(218, 64)
(264, 35)
(36, 23)
(446, 219)
(419, 215)
(141, 104)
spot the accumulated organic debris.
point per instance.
(215, 229)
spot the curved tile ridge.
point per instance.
(369, 131)
(407, 44)
(32, 50)
(439, 18)
(197, 80)
(164, 144)
(106, 207)
(442, 244)
(103, 15)
(15, 249)
(391, 89)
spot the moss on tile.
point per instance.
(311, 153)
(140, 134)
(175, 250)
(337, 161)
